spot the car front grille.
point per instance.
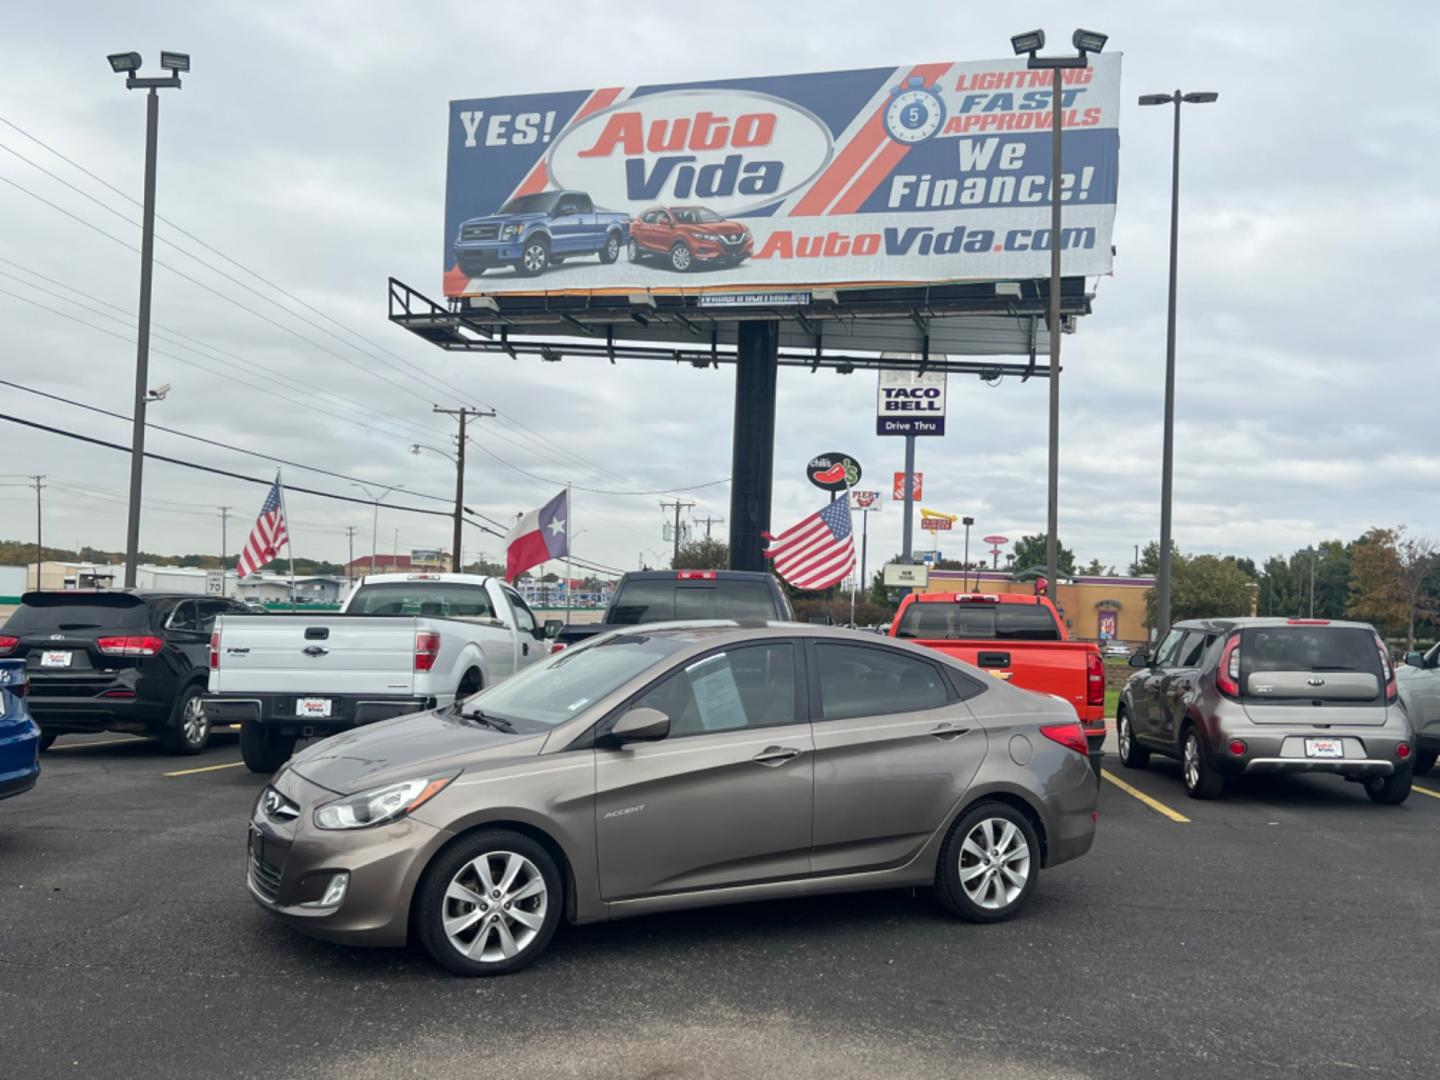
(480, 232)
(265, 877)
(734, 241)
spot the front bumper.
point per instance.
(289, 863)
(278, 711)
(710, 250)
(478, 254)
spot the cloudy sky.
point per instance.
(308, 145)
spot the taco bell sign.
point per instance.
(910, 403)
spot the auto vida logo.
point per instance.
(732, 151)
(1315, 680)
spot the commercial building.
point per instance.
(1095, 608)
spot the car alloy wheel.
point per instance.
(534, 258)
(612, 248)
(994, 864)
(495, 906)
(1191, 763)
(632, 250)
(194, 723)
(680, 257)
(1124, 736)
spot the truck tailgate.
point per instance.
(1047, 667)
(330, 654)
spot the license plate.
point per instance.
(55, 658)
(312, 706)
(1324, 748)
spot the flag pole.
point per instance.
(289, 544)
(569, 532)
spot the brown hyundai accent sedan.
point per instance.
(674, 766)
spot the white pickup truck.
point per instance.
(401, 643)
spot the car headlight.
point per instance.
(380, 805)
(509, 232)
(706, 236)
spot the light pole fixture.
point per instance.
(128, 64)
(375, 500)
(1167, 451)
(967, 522)
(1029, 45)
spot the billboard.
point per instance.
(910, 403)
(916, 174)
(865, 502)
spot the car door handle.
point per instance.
(776, 755)
(948, 731)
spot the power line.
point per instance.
(593, 491)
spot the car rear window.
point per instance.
(661, 601)
(59, 611)
(960, 622)
(1310, 650)
(441, 599)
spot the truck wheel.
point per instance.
(611, 251)
(633, 252)
(534, 257)
(188, 729)
(680, 257)
(264, 750)
(472, 683)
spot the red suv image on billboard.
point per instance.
(684, 236)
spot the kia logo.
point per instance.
(1315, 680)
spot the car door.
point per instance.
(1422, 695)
(587, 236)
(1145, 689)
(662, 234)
(187, 631)
(726, 798)
(566, 226)
(1178, 682)
(895, 749)
(528, 645)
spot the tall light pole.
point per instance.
(968, 521)
(375, 521)
(1167, 451)
(129, 63)
(1029, 46)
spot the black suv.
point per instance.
(117, 661)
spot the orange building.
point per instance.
(1094, 607)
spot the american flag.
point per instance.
(817, 552)
(267, 536)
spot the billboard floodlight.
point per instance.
(1089, 40)
(123, 62)
(1030, 42)
(175, 61)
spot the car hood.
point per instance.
(722, 228)
(409, 746)
(493, 219)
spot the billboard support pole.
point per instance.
(1052, 543)
(752, 461)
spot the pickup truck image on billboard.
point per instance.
(909, 175)
(534, 232)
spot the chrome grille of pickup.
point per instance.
(480, 232)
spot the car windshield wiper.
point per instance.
(489, 721)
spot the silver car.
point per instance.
(1244, 696)
(674, 766)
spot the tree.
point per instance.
(1030, 554)
(1149, 564)
(1204, 587)
(1390, 575)
(1096, 568)
(704, 554)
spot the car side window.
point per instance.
(1190, 652)
(524, 617)
(662, 218)
(583, 205)
(858, 680)
(749, 687)
(567, 206)
(1165, 655)
(207, 610)
(183, 617)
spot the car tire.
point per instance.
(534, 257)
(1390, 790)
(611, 251)
(682, 259)
(471, 683)
(1199, 776)
(47, 741)
(475, 934)
(1132, 754)
(1424, 762)
(633, 251)
(187, 731)
(264, 750)
(979, 882)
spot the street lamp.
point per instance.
(967, 521)
(1029, 45)
(1167, 453)
(128, 64)
(375, 521)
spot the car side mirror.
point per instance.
(639, 725)
(553, 627)
(1415, 659)
(1140, 659)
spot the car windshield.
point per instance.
(59, 611)
(443, 599)
(696, 215)
(660, 600)
(539, 203)
(560, 688)
(957, 621)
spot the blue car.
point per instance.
(19, 736)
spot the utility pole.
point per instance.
(678, 505)
(710, 521)
(463, 413)
(39, 545)
(350, 531)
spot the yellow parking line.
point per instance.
(107, 742)
(206, 768)
(1154, 804)
(1425, 791)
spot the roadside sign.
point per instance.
(902, 576)
(930, 557)
(935, 524)
(898, 491)
(864, 502)
(214, 582)
(997, 539)
(909, 403)
(833, 472)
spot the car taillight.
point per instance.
(214, 650)
(1070, 736)
(696, 575)
(1392, 693)
(976, 598)
(1227, 674)
(427, 649)
(130, 645)
(1307, 622)
(8, 643)
(1094, 679)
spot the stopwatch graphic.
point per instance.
(915, 112)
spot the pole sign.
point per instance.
(865, 502)
(906, 576)
(833, 472)
(883, 176)
(214, 582)
(909, 403)
(935, 524)
(898, 491)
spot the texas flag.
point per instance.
(538, 536)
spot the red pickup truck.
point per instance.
(1017, 638)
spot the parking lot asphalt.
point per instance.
(1288, 930)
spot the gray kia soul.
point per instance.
(1237, 696)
